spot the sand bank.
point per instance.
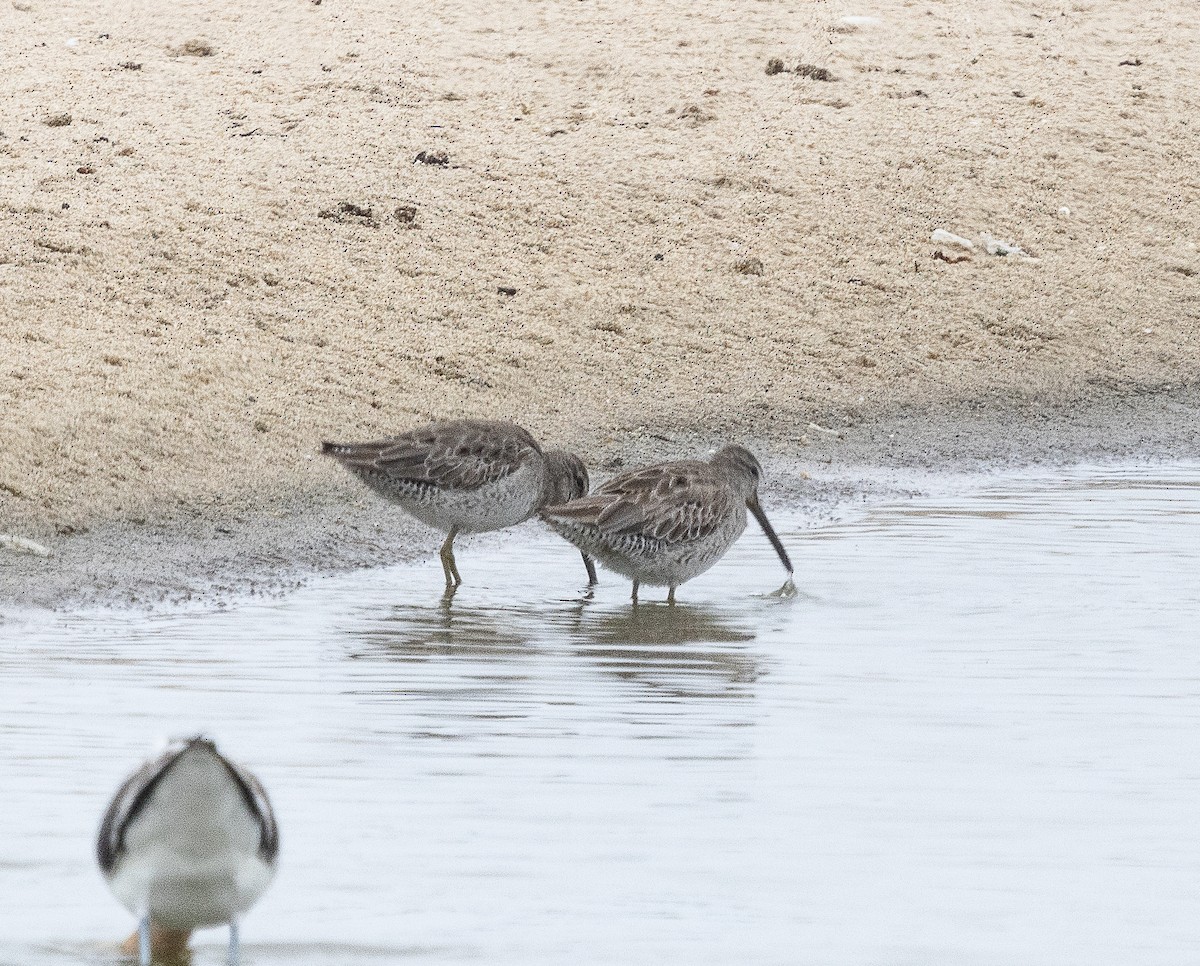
(218, 247)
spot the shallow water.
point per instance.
(973, 738)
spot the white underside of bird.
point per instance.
(191, 854)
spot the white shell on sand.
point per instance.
(22, 545)
(994, 246)
(943, 237)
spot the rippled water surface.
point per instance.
(974, 738)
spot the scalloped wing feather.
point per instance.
(671, 502)
(460, 455)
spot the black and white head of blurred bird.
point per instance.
(466, 476)
(188, 841)
(665, 524)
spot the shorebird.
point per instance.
(665, 524)
(466, 476)
(189, 840)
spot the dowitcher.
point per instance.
(466, 476)
(665, 524)
(189, 840)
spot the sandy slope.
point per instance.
(179, 324)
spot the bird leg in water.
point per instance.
(635, 590)
(153, 942)
(448, 564)
(235, 946)
(591, 568)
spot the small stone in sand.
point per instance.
(506, 290)
(347, 212)
(196, 47)
(749, 266)
(438, 158)
(696, 114)
(941, 256)
(775, 66)
(129, 65)
(86, 169)
(57, 120)
(812, 72)
(407, 215)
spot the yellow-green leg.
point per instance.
(448, 565)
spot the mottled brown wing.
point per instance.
(672, 502)
(461, 455)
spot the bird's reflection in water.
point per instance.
(688, 650)
(417, 632)
(660, 624)
(685, 651)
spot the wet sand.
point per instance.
(220, 247)
(273, 545)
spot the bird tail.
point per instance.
(585, 510)
(349, 451)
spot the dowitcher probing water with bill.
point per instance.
(665, 524)
(466, 476)
(189, 840)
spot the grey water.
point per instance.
(972, 738)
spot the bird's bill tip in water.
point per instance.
(787, 591)
(769, 530)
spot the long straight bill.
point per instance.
(771, 534)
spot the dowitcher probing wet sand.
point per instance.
(189, 840)
(665, 524)
(466, 476)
